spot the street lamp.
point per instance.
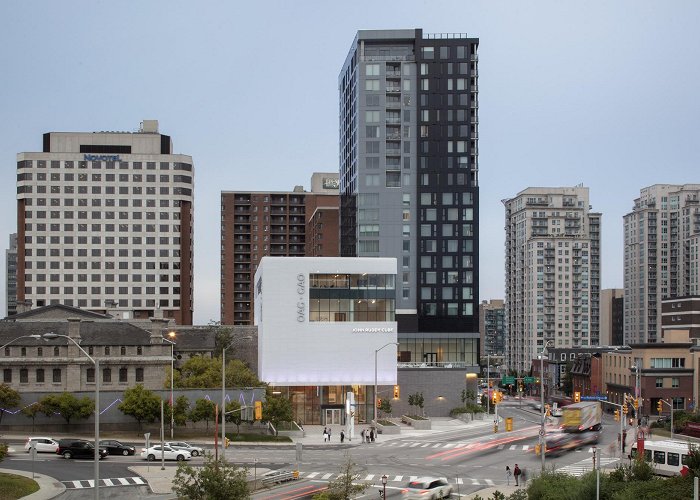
(376, 351)
(223, 392)
(172, 378)
(542, 440)
(96, 362)
(384, 480)
(35, 336)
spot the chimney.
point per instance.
(157, 329)
(24, 306)
(74, 328)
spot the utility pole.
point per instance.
(488, 385)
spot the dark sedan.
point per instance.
(117, 447)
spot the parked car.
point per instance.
(78, 448)
(117, 447)
(41, 444)
(195, 451)
(154, 453)
(427, 487)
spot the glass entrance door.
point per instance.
(333, 416)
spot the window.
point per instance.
(372, 116)
(122, 375)
(393, 179)
(673, 459)
(659, 382)
(40, 376)
(372, 70)
(122, 350)
(56, 352)
(139, 374)
(675, 382)
(23, 351)
(139, 351)
(90, 375)
(7, 375)
(107, 350)
(23, 376)
(659, 457)
(107, 375)
(57, 375)
(7, 351)
(371, 84)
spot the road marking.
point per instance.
(459, 480)
(449, 445)
(425, 445)
(369, 477)
(326, 476)
(475, 482)
(512, 447)
(77, 484)
(398, 478)
(437, 445)
(526, 447)
(412, 478)
(312, 475)
(108, 482)
(489, 482)
(414, 445)
(124, 481)
(501, 446)
(138, 480)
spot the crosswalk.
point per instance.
(580, 468)
(117, 481)
(463, 445)
(325, 476)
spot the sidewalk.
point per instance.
(48, 486)
(486, 493)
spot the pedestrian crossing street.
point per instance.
(465, 446)
(580, 468)
(118, 481)
(327, 476)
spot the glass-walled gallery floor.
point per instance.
(325, 405)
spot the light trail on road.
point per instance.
(472, 447)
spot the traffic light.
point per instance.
(396, 392)
(494, 397)
(617, 415)
(577, 397)
(636, 403)
(258, 410)
(659, 406)
(227, 441)
(548, 410)
(624, 408)
(379, 402)
(500, 396)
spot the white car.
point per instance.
(427, 487)
(195, 451)
(155, 453)
(42, 444)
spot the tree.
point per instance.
(385, 406)
(181, 410)
(204, 373)
(216, 480)
(468, 395)
(3, 451)
(140, 403)
(417, 399)
(67, 405)
(234, 415)
(203, 410)
(346, 486)
(9, 398)
(276, 410)
(32, 411)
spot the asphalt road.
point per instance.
(470, 459)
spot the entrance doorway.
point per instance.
(333, 416)
(430, 358)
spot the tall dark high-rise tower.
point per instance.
(409, 180)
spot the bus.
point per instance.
(667, 457)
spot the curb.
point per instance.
(49, 487)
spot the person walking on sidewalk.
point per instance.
(362, 434)
(329, 434)
(342, 436)
(516, 474)
(325, 434)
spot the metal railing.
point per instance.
(435, 364)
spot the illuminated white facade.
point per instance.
(321, 319)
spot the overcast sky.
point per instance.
(599, 93)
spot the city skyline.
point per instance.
(610, 96)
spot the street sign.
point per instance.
(594, 398)
(508, 380)
(529, 380)
(541, 432)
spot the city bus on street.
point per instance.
(668, 458)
